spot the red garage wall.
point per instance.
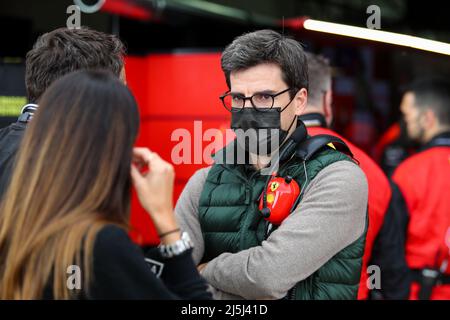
(173, 91)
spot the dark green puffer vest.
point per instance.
(231, 222)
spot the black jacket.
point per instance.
(10, 138)
(121, 272)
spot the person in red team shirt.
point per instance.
(317, 118)
(422, 189)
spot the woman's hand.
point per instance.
(155, 188)
(202, 266)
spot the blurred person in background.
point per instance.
(318, 117)
(394, 146)
(69, 197)
(53, 55)
(416, 242)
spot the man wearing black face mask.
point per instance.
(258, 128)
(316, 252)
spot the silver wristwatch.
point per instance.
(176, 248)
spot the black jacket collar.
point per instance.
(313, 120)
(441, 140)
(27, 113)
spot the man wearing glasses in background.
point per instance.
(316, 252)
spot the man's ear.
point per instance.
(328, 107)
(429, 119)
(301, 100)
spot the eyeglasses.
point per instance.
(261, 101)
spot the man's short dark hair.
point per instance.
(433, 93)
(267, 46)
(65, 50)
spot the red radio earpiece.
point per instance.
(281, 195)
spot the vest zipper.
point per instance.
(247, 195)
(234, 173)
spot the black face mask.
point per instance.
(260, 131)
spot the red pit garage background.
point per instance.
(173, 91)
